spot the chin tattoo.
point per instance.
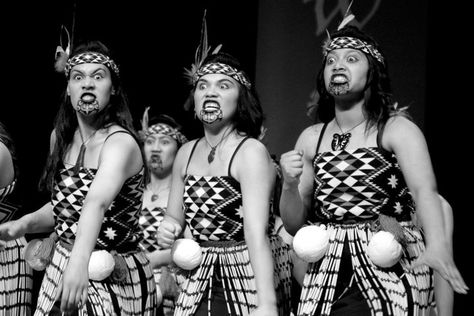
(338, 89)
(87, 108)
(211, 117)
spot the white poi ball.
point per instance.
(101, 265)
(311, 242)
(186, 253)
(38, 253)
(384, 250)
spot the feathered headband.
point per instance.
(64, 63)
(160, 128)
(350, 42)
(198, 70)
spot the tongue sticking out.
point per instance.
(339, 79)
(88, 98)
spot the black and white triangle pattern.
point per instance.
(120, 224)
(358, 183)
(213, 207)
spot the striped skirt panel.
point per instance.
(387, 291)
(236, 277)
(134, 296)
(16, 280)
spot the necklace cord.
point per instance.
(350, 129)
(212, 153)
(82, 150)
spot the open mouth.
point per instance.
(87, 104)
(211, 106)
(211, 112)
(88, 98)
(339, 79)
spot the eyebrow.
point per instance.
(98, 69)
(218, 81)
(348, 50)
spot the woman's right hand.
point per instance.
(12, 230)
(291, 164)
(168, 232)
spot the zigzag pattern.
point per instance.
(120, 224)
(213, 207)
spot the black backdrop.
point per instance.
(151, 42)
(155, 41)
(449, 127)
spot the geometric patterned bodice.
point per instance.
(213, 205)
(359, 184)
(149, 222)
(213, 208)
(119, 230)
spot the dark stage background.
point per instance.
(277, 41)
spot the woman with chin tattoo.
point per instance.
(95, 174)
(362, 172)
(221, 188)
(161, 137)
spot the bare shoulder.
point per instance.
(185, 151)
(399, 126)
(253, 161)
(117, 135)
(4, 152)
(312, 130)
(400, 131)
(119, 142)
(308, 138)
(6, 166)
(5, 155)
(253, 148)
(399, 121)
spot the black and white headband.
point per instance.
(91, 58)
(354, 43)
(220, 68)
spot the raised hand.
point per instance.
(291, 164)
(168, 232)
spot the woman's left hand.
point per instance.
(442, 261)
(72, 290)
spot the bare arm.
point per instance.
(443, 291)
(173, 222)
(120, 159)
(255, 172)
(406, 140)
(297, 170)
(39, 221)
